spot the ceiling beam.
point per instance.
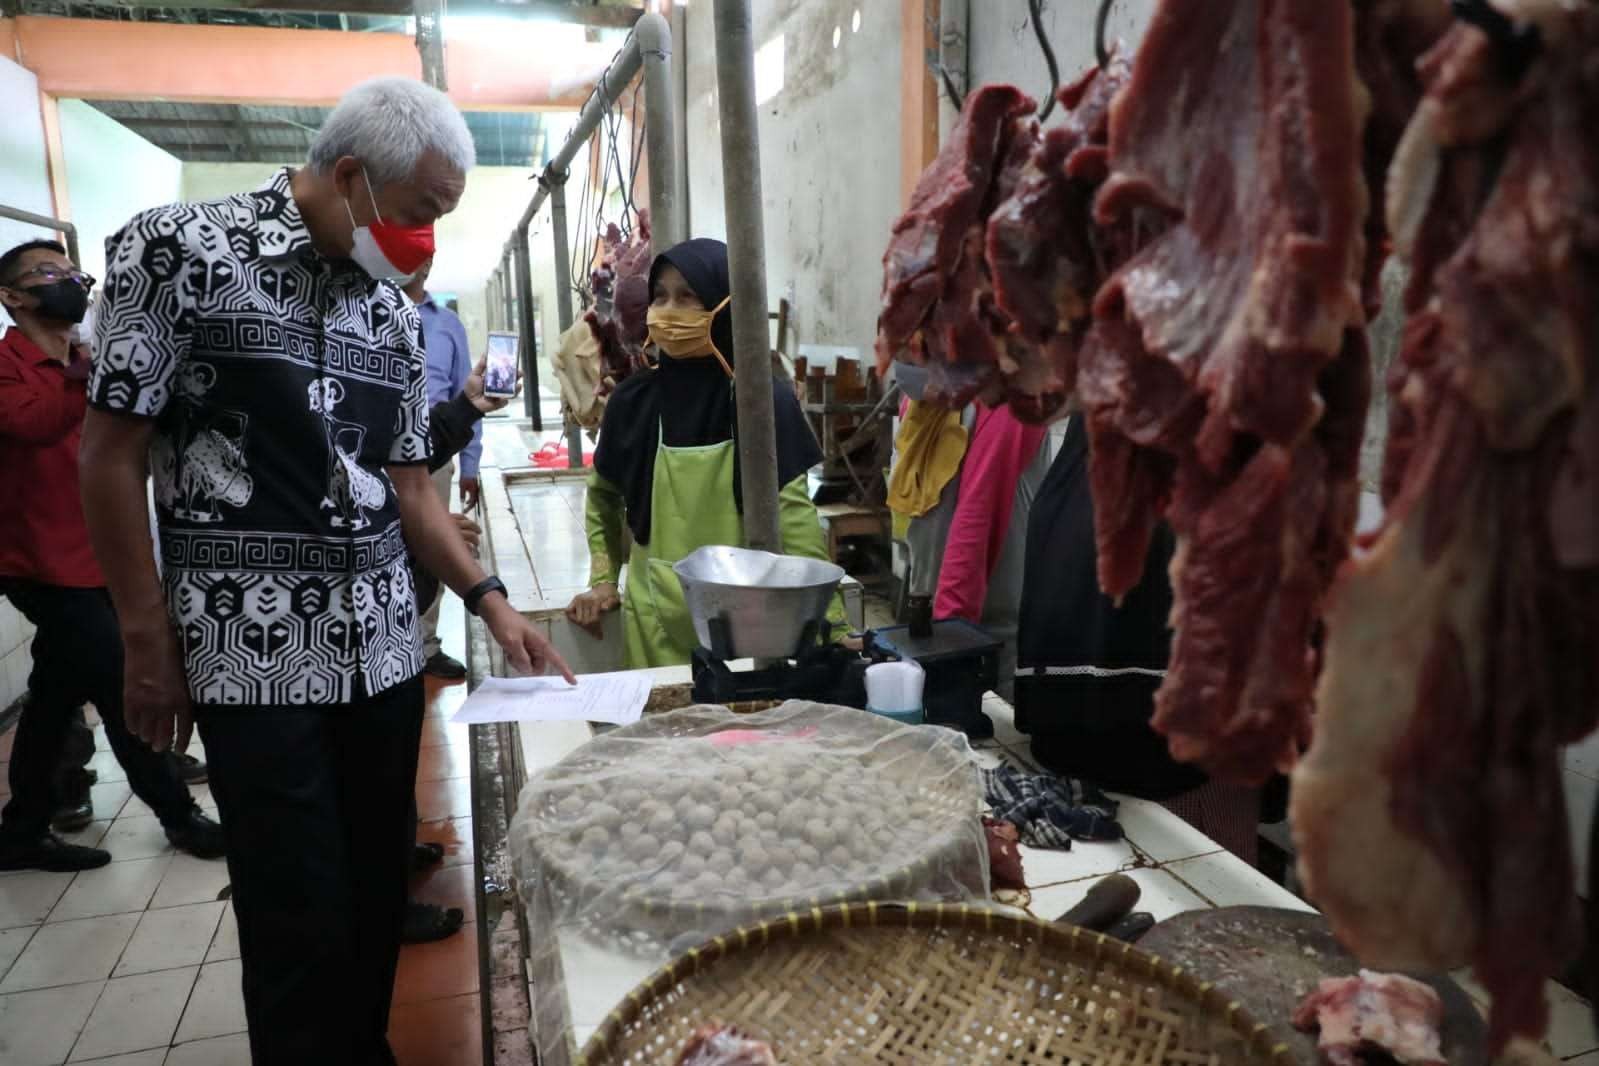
(582, 14)
(194, 123)
(230, 148)
(96, 59)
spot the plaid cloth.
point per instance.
(1050, 811)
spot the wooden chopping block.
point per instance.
(1269, 959)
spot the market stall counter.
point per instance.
(1176, 867)
(592, 936)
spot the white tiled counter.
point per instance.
(1178, 868)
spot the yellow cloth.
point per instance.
(578, 371)
(931, 444)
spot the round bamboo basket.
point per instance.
(942, 858)
(913, 985)
(665, 698)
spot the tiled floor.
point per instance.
(136, 964)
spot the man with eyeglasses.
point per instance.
(48, 571)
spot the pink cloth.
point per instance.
(1000, 451)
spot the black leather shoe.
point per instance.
(71, 817)
(441, 666)
(189, 768)
(197, 834)
(51, 853)
(426, 922)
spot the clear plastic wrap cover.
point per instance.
(662, 834)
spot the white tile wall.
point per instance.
(1581, 783)
(15, 634)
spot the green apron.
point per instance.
(691, 505)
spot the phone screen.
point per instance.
(499, 377)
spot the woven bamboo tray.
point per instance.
(939, 850)
(912, 985)
(665, 698)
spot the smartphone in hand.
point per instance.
(499, 376)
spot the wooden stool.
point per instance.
(842, 520)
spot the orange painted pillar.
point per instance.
(918, 131)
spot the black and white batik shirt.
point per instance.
(282, 383)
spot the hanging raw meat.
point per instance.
(621, 288)
(1374, 1017)
(970, 290)
(1045, 288)
(1462, 639)
(1390, 36)
(938, 301)
(1224, 372)
(1226, 377)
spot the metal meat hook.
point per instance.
(1037, 8)
(1101, 53)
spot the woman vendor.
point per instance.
(666, 464)
(1088, 670)
(965, 481)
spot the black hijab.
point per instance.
(688, 403)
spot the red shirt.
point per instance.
(42, 533)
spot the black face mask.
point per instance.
(62, 301)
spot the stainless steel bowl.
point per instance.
(765, 599)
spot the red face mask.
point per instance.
(407, 247)
(386, 251)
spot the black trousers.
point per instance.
(316, 813)
(77, 657)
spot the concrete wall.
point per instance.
(1004, 48)
(24, 184)
(112, 174)
(24, 173)
(211, 181)
(829, 157)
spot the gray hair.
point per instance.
(389, 124)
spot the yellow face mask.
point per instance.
(686, 334)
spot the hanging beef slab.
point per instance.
(1461, 640)
(621, 286)
(1225, 380)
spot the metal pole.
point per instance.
(954, 21)
(68, 231)
(612, 83)
(685, 210)
(430, 40)
(508, 292)
(525, 323)
(654, 38)
(563, 304)
(741, 162)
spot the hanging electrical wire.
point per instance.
(591, 246)
(637, 147)
(580, 255)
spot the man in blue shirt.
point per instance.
(449, 358)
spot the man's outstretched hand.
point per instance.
(527, 651)
(155, 694)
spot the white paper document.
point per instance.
(614, 698)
